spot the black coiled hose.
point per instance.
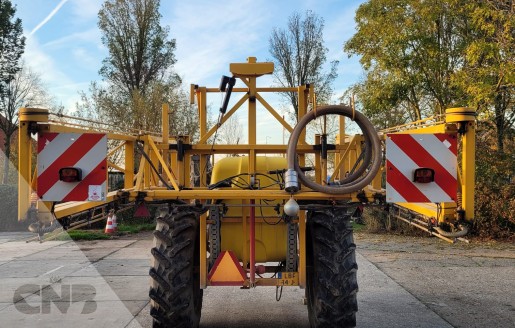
(371, 161)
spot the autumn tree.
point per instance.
(140, 112)
(300, 55)
(489, 75)
(137, 73)
(12, 46)
(410, 51)
(421, 57)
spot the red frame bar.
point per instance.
(252, 238)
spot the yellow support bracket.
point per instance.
(338, 167)
(114, 166)
(141, 171)
(274, 113)
(115, 149)
(227, 115)
(169, 174)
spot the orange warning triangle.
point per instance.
(227, 271)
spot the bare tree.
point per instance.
(109, 104)
(299, 55)
(230, 132)
(25, 89)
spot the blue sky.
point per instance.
(64, 44)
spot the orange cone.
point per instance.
(115, 224)
(109, 226)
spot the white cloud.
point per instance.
(91, 36)
(86, 10)
(48, 17)
(40, 61)
(57, 82)
(212, 35)
(84, 57)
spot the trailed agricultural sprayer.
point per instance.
(261, 216)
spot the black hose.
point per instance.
(371, 161)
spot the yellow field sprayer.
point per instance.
(246, 215)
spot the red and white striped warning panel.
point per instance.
(83, 156)
(421, 168)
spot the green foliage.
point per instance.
(356, 227)
(495, 188)
(12, 43)
(126, 228)
(422, 57)
(488, 77)
(409, 50)
(299, 55)
(12, 46)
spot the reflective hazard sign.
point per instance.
(421, 168)
(72, 166)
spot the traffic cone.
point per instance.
(109, 226)
(115, 224)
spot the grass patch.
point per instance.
(356, 227)
(123, 229)
(135, 228)
(83, 235)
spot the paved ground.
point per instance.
(404, 282)
(469, 285)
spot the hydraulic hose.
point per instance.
(354, 182)
(464, 230)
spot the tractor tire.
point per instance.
(331, 282)
(176, 297)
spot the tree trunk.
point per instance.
(500, 110)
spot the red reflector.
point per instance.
(424, 175)
(70, 174)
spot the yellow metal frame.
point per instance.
(461, 121)
(162, 151)
(174, 168)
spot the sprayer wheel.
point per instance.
(176, 297)
(331, 271)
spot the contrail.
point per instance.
(44, 21)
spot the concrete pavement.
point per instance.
(105, 284)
